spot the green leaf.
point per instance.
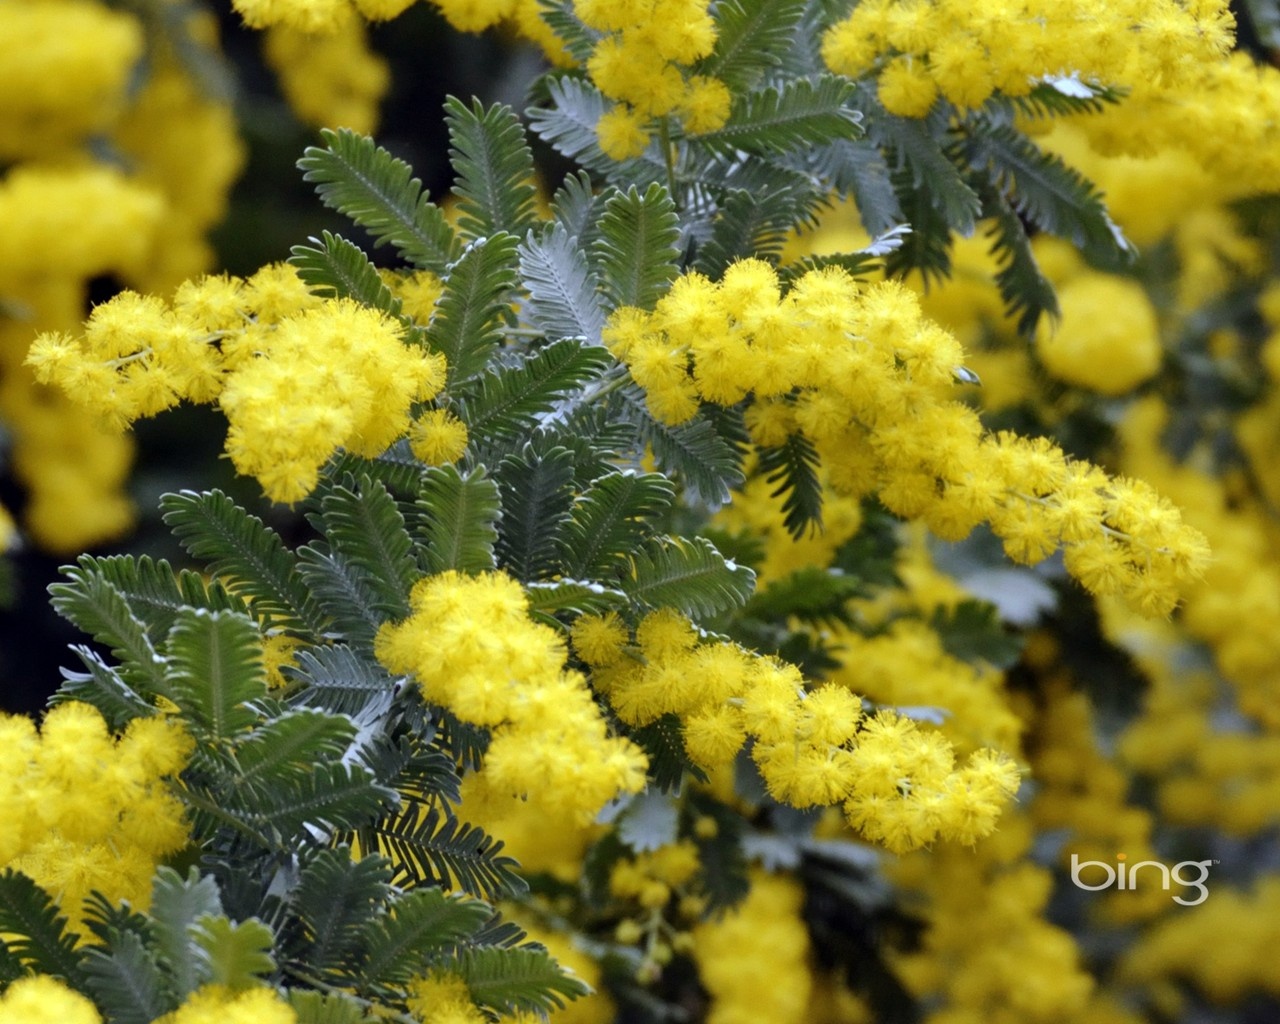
(378, 192)
(460, 513)
(792, 467)
(576, 208)
(216, 668)
(568, 125)
(1026, 292)
(811, 594)
(398, 468)
(748, 225)
(340, 269)
(972, 631)
(494, 168)
(537, 492)
(176, 904)
(329, 798)
(337, 679)
(688, 574)
(662, 741)
(857, 167)
(577, 597)
(125, 980)
(155, 593)
(1062, 96)
(797, 115)
(429, 846)
(1043, 189)
(507, 402)
(694, 452)
(34, 931)
(927, 247)
(251, 556)
(750, 36)
(343, 593)
(467, 326)
(525, 978)
(564, 300)
(336, 900)
(292, 742)
(312, 1007)
(364, 526)
(610, 519)
(104, 688)
(421, 923)
(916, 151)
(577, 38)
(99, 608)
(235, 955)
(636, 251)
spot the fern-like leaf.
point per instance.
(688, 574)
(505, 403)
(99, 608)
(104, 688)
(564, 300)
(336, 899)
(429, 846)
(247, 553)
(335, 678)
(917, 152)
(467, 326)
(234, 955)
(1027, 293)
(398, 468)
(747, 225)
(575, 597)
(176, 904)
(705, 462)
(343, 593)
(494, 169)
(329, 798)
(537, 492)
(610, 520)
(34, 931)
(792, 467)
(794, 116)
(636, 251)
(421, 923)
(365, 527)
(525, 978)
(215, 669)
(750, 36)
(378, 191)
(1043, 189)
(292, 742)
(459, 516)
(126, 981)
(312, 1007)
(576, 208)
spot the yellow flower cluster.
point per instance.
(899, 784)
(920, 49)
(1225, 946)
(443, 998)
(41, 999)
(331, 80)
(315, 16)
(640, 65)
(217, 1004)
(86, 811)
(753, 961)
(298, 377)
(650, 878)
(987, 953)
(870, 383)
(65, 69)
(472, 647)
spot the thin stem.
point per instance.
(668, 157)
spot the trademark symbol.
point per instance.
(1216, 861)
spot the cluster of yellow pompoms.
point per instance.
(863, 376)
(472, 647)
(297, 376)
(84, 811)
